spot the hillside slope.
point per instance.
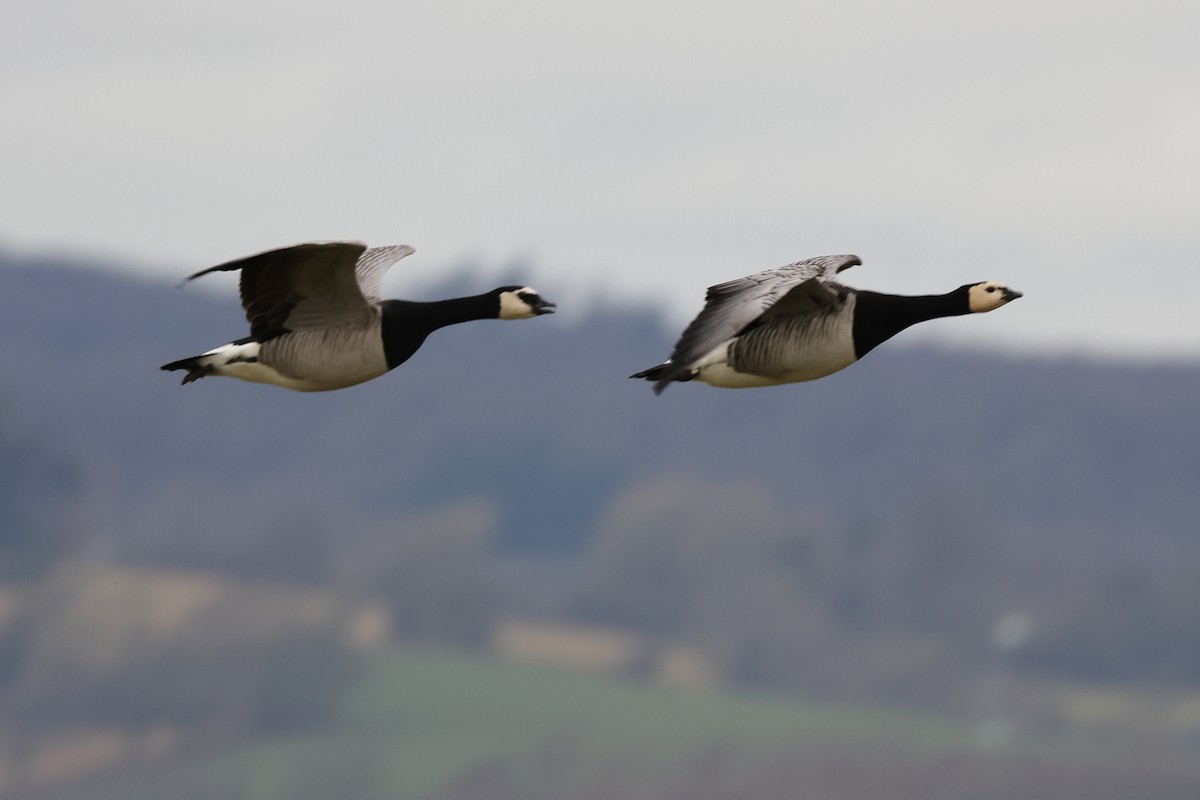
(539, 420)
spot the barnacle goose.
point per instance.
(317, 321)
(797, 323)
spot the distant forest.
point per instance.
(512, 469)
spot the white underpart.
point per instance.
(787, 351)
(321, 360)
(513, 307)
(230, 360)
(337, 370)
(714, 369)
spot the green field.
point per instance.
(433, 712)
(421, 724)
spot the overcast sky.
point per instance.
(643, 149)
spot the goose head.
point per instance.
(988, 296)
(522, 302)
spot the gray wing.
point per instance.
(373, 264)
(308, 286)
(730, 307)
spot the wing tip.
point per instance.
(847, 261)
(238, 263)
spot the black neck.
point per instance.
(879, 317)
(406, 323)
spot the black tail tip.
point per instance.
(663, 374)
(653, 373)
(194, 371)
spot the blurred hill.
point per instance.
(538, 420)
(974, 533)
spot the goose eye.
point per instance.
(991, 288)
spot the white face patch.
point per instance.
(513, 307)
(988, 296)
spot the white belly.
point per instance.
(262, 373)
(763, 358)
(714, 369)
(314, 361)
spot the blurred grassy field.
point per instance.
(434, 709)
(423, 724)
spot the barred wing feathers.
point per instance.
(311, 286)
(731, 306)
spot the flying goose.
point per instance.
(317, 321)
(797, 323)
